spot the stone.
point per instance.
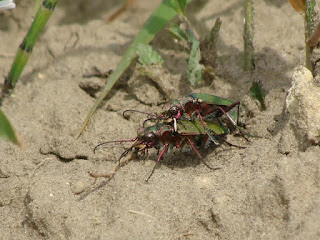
(303, 107)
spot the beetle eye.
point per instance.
(173, 111)
(149, 137)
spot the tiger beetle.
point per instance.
(163, 135)
(197, 106)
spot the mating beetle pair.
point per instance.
(184, 120)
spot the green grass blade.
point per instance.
(161, 16)
(26, 46)
(6, 130)
(36, 7)
(179, 6)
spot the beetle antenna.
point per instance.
(154, 117)
(149, 119)
(115, 141)
(137, 111)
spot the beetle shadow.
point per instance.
(176, 159)
(186, 157)
(86, 193)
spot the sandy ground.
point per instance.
(269, 190)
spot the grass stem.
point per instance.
(248, 36)
(309, 28)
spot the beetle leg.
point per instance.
(164, 149)
(227, 115)
(204, 140)
(212, 137)
(225, 112)
(231, 120)
(238, 111)
(198, 154)
(120, 163)
(193, 147)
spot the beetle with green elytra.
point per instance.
(163, 135)
(197, 105)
